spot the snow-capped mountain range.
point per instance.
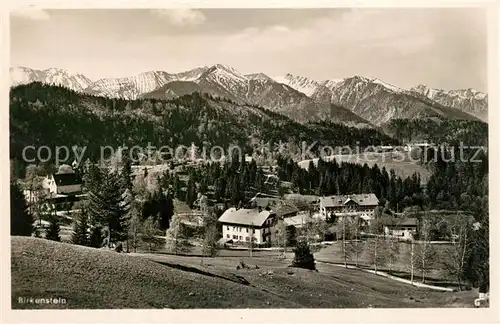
(469, 100)
(74, 81)
(354, 101)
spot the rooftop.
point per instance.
(298, 220)
(244, 216)
(279, 206)
(402, 222)
(360, 199)
(67, 179)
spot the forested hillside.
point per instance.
(439, 131)
(50, 115)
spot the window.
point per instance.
(233, 228)
(247, 238)
(235, 237)
(253, 231)
(228, 228)
(228, 236)
(247, 230)
(241, 238)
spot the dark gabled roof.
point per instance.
(264, 202)
(67, 179)
(279, 206)
(402, 222)
(285, 208)
(360, 199)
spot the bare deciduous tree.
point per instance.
(393, 251)
(376, 255)
(458, 252)
(354, 247)
(424, 250)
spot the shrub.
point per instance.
(303, 256)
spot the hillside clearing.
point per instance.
(402, 167)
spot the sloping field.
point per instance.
(91, 278)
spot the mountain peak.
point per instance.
(302, 84)
(225, 72)
(259, 76)
(223, 67)
(55, 70)
(60, 77)
(387, 85)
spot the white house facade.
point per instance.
(404, 228)
(246, 225)
(64, 182)
(358, 205)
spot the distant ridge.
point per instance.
(355, 101)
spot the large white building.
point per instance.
(358, 205)
(245, 225)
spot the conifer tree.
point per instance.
(177, 187)
(21, 221)
(235, 193)
(96, 237)
(53, 230)
(126, 172)
(190, 192)
(81, 227)
(115, 210)
(106, 205)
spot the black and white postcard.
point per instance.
(225, 158)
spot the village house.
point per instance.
(402, 228)
(64, 186)
(242, 225)
(357, 205)
(300, 220)
(282, 208)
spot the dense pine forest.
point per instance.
(439, 131)
(54, 116)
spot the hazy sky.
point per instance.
(443, 48)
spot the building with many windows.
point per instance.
(244, 225)
(360, 205)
